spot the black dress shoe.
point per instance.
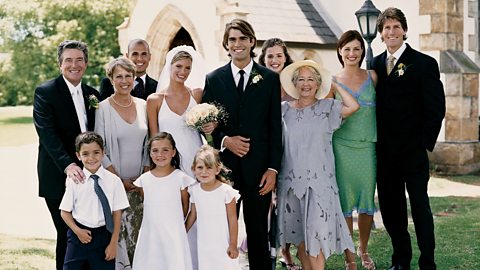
(399, 267)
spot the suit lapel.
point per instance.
(404, 58)
(90, 110)
(250, 86)
(69, 105)
(228, 80)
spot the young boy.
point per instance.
(92, 210)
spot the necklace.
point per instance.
(123, 106)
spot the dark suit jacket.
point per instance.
(410, 107)
(106, 88)
(255, 115)
(55, 120)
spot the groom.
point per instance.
(251, 139)
(410, 109)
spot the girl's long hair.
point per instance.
(175, 162)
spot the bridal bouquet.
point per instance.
(204, 113)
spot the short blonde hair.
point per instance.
(316, 75)
(122, 62)
(211, 158)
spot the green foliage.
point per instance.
(31, 30)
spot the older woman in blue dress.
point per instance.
(309, 211)
(121, 120)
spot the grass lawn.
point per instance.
(26, 253)
(457, 232)
(17, 128)
(457, 229)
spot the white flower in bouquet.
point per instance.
(202, 114)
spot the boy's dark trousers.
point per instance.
(88, 256)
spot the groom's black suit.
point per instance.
(255, 114)
(57, 125)
(106, 88)
(410, 109)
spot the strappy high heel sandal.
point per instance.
(290, 266)
(350, 264)
(367, 262)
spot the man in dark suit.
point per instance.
(410, 109)
(250, 140)
(62, 109)
(139, 53)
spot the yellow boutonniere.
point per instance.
(401, 69)
(92, 102)
(256, 77)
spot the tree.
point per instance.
(31, 29)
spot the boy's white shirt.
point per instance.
(83, 202)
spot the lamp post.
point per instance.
(367, 21)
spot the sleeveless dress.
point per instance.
(187, 139)
(355, 155)
(308, 205)
(212, 226)
(162, 241)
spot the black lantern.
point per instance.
(367, 21)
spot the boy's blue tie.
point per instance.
(107, 212)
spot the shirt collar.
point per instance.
(398, 52)
(73, 89)
(143, 77)
(100, 172)
(248, 68)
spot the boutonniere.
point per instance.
(92, 102)
(256, 77)
(401, 69)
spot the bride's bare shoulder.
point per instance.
(197, 94)
(155, 98)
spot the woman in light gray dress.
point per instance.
(309, 211)
(122, 122)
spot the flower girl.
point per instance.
(213, 206)
(162, 241)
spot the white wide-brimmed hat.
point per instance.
(287, 75)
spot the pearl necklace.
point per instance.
(123, 106)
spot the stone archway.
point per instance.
(170, 23)
(181, 38)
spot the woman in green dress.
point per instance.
(354, 143)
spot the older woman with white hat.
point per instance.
(309, 211)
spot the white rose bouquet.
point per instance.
(202, 114)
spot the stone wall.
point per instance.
(459, 153)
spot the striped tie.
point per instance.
(390, 64)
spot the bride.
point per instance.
(180, 87)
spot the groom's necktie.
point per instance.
(390, 64)
(107, 213)
(139, 89)
(241, 82)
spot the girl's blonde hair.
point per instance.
(211, 158)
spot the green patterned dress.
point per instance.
(355, 156)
